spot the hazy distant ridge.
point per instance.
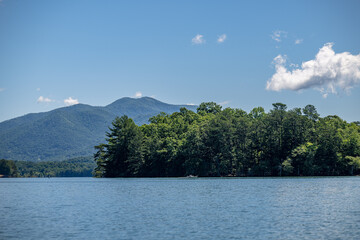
(71, 131)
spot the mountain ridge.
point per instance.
(72, 131)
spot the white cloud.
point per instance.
(2, 89)
(327, 72)
(293, 65)
(191, 104)
(198, 39)
(38, 89)
(138, 95)
(221, 38)
(224, 102)
(324, 94)
(70, 101)
(298, 41)
(280, 60)
(278, 35)
(42, 99)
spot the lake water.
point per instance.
(180, 208)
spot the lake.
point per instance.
(180, 208)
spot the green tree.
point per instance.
(230, 142)
(209, 107)
(121, 156)
(300, 162)
(311, 112)
(8, 168)
(353, 163)
(276, 148)
(327, 160)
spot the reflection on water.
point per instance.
(180, 208)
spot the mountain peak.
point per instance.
(130, 99)
(72, 131)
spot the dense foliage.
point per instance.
(8, 168)
(231, 142)
(77, 167)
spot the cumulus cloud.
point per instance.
(326, 73)
(191, 104)
(280, 60)
(42, 99)
(198, 39)
(293, 65)
(70, 101)
(298, 41)
(138, 95)
(278, 35)
(221, 38)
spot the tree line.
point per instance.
(231, 142)
(75, 167)
(8, 168)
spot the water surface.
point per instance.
(180, 208)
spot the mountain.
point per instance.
(72, 131)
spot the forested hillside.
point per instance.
(231, 142)
(70, 132)
(76, 167)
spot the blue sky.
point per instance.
(241, 54)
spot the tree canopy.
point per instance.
(75, 167)
(231, 142)
(8, 168)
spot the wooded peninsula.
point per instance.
(75, 167)
(216, 142)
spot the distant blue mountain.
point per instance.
(72, 131)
